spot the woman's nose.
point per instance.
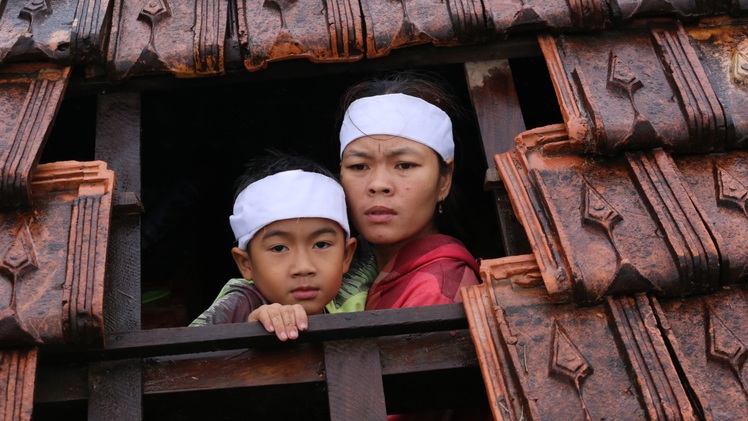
(375, 189)
(379, 182)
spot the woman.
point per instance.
(397, 162)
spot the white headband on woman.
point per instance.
(398, 115)
(287, 195)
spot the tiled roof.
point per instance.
(635, 207)
(206, 37)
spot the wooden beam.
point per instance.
(500, 119)
(417, 56)
(429, 345)
(354, 379)
(496, 105)
(115, 388)
(188, 340)
(418, 355)
(405, 340)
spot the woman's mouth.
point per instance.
(379, 214)
(305, 293)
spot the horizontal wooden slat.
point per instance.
(189, 340)
(284, 364)
(236, 368)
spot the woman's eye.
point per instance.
(279, 248)
(357, 167)
(405, 165)
(321, 245)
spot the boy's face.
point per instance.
(297, 261)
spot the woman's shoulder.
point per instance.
(436, 240)
(437, 247)
(438, 258)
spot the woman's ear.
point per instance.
(350, 249)
(243, 262)
(445, 179)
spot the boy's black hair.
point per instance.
(274, 163)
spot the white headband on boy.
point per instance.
(398, 115)
(287, 195)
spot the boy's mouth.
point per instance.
(305, 293)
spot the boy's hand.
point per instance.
(285, 320)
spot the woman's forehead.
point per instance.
(386, 145)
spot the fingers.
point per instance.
(300, 316)
(286, 321)
(287, 327)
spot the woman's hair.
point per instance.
(427, 86)
(274, 163)
(431, 88)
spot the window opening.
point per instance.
(194, 145)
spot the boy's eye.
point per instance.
(278, 248)
(405, 165)
(322, 245)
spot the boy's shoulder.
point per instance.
(356, 282)
(237, 299)
(237, 284)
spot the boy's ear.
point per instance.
(350, 248)
(243, 262)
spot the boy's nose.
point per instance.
(303, 265)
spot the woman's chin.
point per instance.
(383, 239)
(387, 238)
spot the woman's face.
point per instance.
(392, 186)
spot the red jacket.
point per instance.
(427, 271)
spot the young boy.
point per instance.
(294, 245)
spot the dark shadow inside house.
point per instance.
(196, 141)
